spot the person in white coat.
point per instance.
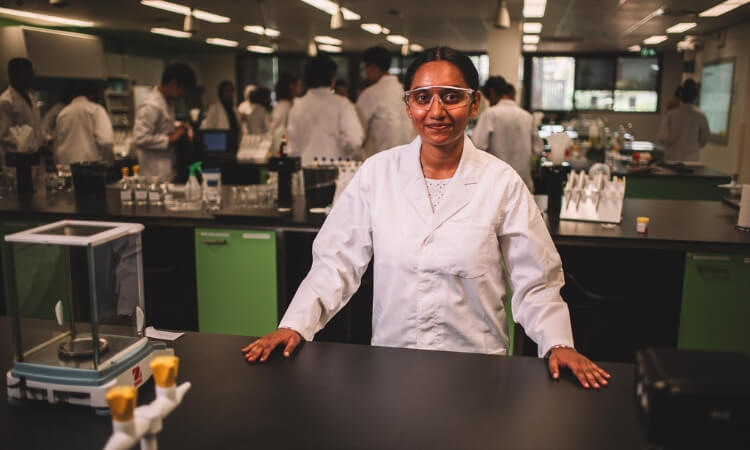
(154, 130)
(684, 130)
(321, 123)
(222, 115)
(245, 108)
(83, 131)
(287, 89)
(18, 109)
(380, 106)
(439, 217)
(507, 130)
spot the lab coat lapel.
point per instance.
(458, 194)
(415, 188)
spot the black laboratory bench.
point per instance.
(684, 284)
(340, 396)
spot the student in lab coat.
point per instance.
(380, 106)
(83, 131)
(288, 88)
(18, 108)
(258, 121)
(222, 115)
(684, 131)
(154, 132)
(439, 216)
(245, 107)
(321, 123)
(507, 130)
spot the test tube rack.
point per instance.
(593, 198)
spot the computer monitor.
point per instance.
(215, 141)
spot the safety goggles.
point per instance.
(450, 97)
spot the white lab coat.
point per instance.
(15, 111)
(83, 132)
(245, 108)
(323, 124)
(684, 131)
(154, 122)
(383, 113)
(216, 118)
(49, 121)
(508, 132)
(280, 115)
(438, 277)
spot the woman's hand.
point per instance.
(263, 347)
(588, 373)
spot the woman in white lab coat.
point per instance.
(287, 88)
(439, 216)
(222, 115)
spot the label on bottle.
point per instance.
(126, 196)
(141, 195)
(154, 196)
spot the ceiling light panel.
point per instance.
(397, 39)
(373, 28)
(329, 48)
(259, 49)
(328, 40)
(416, 48)
(330, 7)
(534, 8)
(530, 38)
(222, 42)
(171, 32)
(653, 40)
(185, 10)
(529, 48)
(260, 30)
(634, 48)
(45, 18)
(532, 27)
(681, 27)
(723, 8)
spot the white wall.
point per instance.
(504, 50)
(734, 157)
(142, 70)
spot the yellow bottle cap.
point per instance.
(164, 369)
(124, 170)
(642, 219)
(136, 169)
(121, 401)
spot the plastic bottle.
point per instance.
(193, 190)
(155, 197)
(126, 188)
(213, 200)
(140, 188)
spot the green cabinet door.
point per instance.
(236, 276)
(715, 303)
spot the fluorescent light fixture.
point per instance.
(532, 27)
(681, 27)
(397, 39)
(529, 48)
(372, 28)
(386, 30)
(634, 48)
(259, 49)
(222, 42)
(45, 18)
(330, 7)
(416, 48)
(170, 32)
(534, 8)
(723, 8)
(641, 22)
(530, 38)
(329, 48)
(185, 11)
(260, 30)
(653, 40)
(328, 40)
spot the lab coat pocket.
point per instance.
(464, 249)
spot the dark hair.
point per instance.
(458, 59)
(284, 86)
(181, 73)
(378, 56)
(17, 66)
(86, 88)
(319, 71)
(221, 87)
(496, 84)
(262, 96)
(341, 82)
(689, 91)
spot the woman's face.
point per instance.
(436, 125)
(227, 93)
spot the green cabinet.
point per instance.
(715, 302)
(236, 277)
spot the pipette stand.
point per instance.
(593, 199)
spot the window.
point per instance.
(636, 89)
(594, 83)
(552, 83)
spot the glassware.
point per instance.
(155, 195)
(126, 188)
(140, 187)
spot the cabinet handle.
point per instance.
(215, 241)
(712, 269)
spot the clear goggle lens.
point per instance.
(449, 97)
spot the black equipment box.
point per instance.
(694, 399)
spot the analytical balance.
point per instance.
(76, 302)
